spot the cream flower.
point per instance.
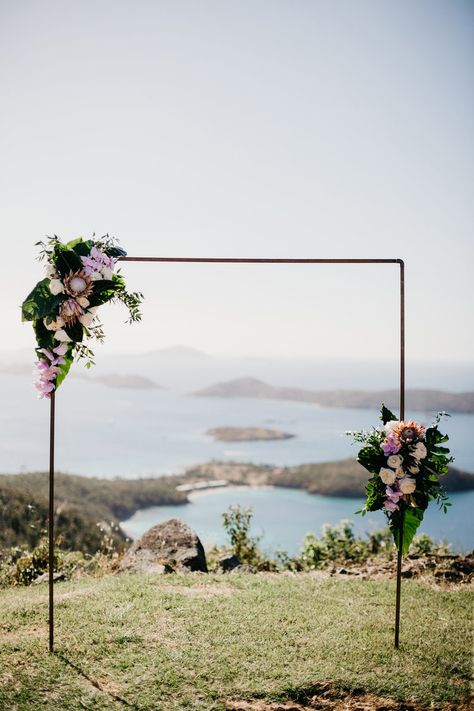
(50, 271)
(387, 475)
(407, 485)
(399, 472)
(107, 273)
(83, 301)
(419, 451)
(86, 319)
(414, 469)
(54, 325)
(392, 425)
(96, 276)
(56, 287)
(394, 461)
(62, 336)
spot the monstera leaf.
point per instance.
(403, 525)
(40, 302)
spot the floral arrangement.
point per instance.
(406, 462)
(79, 277)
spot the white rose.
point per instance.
(62, 336)
(96, 276)
(54, 325)
(414, 469)
(419, 451)
(387, 475)
(50, 271)
(395, 461)
(399, 472)
(407, 485)
(392, 425)
(56, 287)
(86, 319)
(107, 273)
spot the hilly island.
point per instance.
(424, 400)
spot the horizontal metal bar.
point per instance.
(243, 260)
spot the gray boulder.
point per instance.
(228, 563)
(168, 546)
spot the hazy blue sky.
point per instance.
(248, 128)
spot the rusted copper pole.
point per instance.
(51, 522)
(402, 417)
(241, 260)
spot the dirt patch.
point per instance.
(16, 635)
(325, 697)
(202, 591)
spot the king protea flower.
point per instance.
(78, 284)
(70, 310)
(409, 432)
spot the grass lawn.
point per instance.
(202, 641)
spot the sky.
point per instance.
(248, 128)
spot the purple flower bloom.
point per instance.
(390, 445)
(390, 506)
(96, 261)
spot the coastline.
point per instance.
(197, 494)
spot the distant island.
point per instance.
(246, 434)
(132, 382)
(416, 399)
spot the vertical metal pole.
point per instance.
(51, 522)
(402, 417)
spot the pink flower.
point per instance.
(390, 445)
(393, 494)
(389, 505)
(97, 261)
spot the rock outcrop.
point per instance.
(168, 546)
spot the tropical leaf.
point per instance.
(115, 252)
(80, 246)
(403, 525)
(386, 415)
(44, 338)
(64, 369)
(67, 260)
(40, 302)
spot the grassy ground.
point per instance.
(199, 642)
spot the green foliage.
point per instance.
(40, 302)
(237, 523)
(403, 525)
(30, 565)
(386, 415)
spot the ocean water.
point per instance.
(135, 433)
(283, 516)
(111, 433)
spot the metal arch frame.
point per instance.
(232, 260)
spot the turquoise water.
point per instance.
(283, 516)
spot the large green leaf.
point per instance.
(40, 302)
(64, 369)
(403, 525)
(115, 252)
(386, 415)
(67, 260)
(80, 246)
(104, 290)
(44, 338)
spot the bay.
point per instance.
(283, 516)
